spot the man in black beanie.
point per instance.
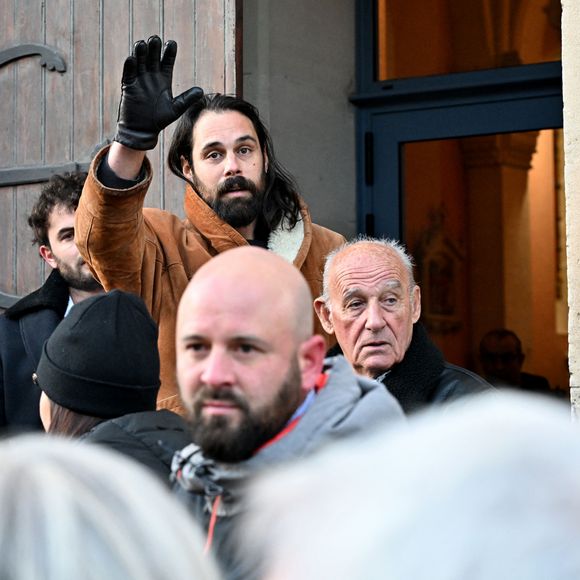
(99, 376)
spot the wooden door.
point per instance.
(60, 71)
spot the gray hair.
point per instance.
(70, 511)
(385, 243)
(487, 489)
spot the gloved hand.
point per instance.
(147, 105)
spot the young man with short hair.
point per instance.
(27, 324)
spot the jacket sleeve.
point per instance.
(113, 237)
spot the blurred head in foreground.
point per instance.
(488, 490)
(69, 511)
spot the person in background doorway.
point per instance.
(501, 357)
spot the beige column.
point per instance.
(571, 91)
(498, 211)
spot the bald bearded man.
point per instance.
(258, 392)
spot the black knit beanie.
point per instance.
(102, 359)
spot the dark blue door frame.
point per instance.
(392, 113)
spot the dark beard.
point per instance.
(237, 212)
(77, 279)
(222, 441)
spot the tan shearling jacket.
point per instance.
(154, 253)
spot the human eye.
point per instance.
(391, 301)
(246, 348)
(245, 150)
(354, 304)
(67, 235)
(213, 155)
(196, 347)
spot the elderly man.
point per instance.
(250, 372)
(372, 305)
(237, 194)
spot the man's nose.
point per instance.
(232, 166)
(375, 320)
(218, 369)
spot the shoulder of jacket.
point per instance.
(451, 369)
(52, 295)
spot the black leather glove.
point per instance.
(147, 105)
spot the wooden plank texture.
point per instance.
(50, 118)
(7, 153)
(86, 70)
(146, 21)
(117, 42)
(7, 84)
(29, 92)
(29, 142)
(180, 19)
(58, 98)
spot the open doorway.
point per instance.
(484, 218)
(459, 111)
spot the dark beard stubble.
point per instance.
(229, 443)
(76, 278)
(237, 212)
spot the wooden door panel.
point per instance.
(52, 121)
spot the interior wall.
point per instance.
(547, 354)
(435, 221)
(299, 70)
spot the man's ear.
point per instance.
(324, 315)
(186, 168)
(266, 162)
(416, 303)
(311, 355)
(47, 255)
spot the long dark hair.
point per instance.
(280, 197)
(69, 423)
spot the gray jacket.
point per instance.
(347, 405)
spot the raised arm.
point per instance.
(147, 104)
(110, 230)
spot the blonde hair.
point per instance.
(487, 489)
(70, 511)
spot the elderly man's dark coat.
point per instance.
(424, 378)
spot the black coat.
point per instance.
(149, 437)
(24, 328)
(424, 378)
